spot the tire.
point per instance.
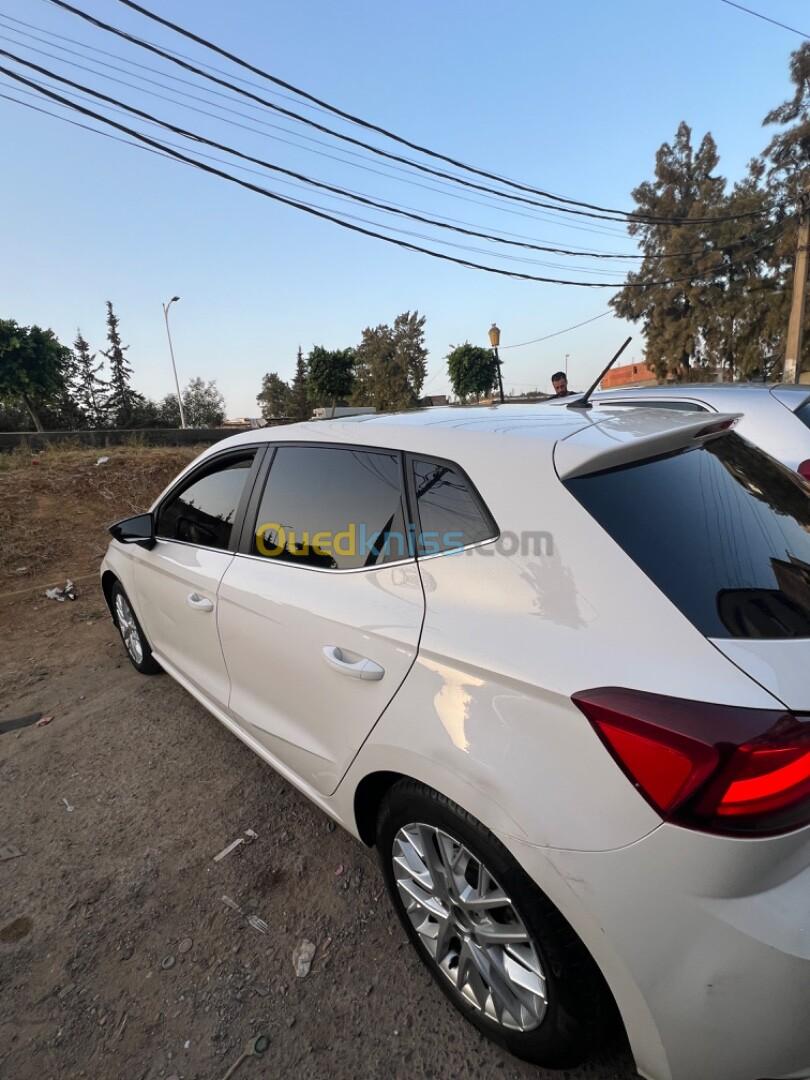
(134, 640)
(563, 1007)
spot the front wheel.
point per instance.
(495, 944)
(133, 637)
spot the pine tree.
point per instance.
(685, 186)
(300, 404)
(86, 386)
(122, 400)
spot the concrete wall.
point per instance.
(39, 440)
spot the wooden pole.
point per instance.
(793, 347)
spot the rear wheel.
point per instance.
(133, 637)
(495, 944)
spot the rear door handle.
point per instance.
(199, 603)
(362, 668)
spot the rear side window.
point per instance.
(203, 510)
(803, 413)
(331, 508)
(723, 530)
(451, 514)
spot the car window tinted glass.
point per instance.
(332, 509)
(803, 413)
(723, 530)
(203, 512)
(450, 514)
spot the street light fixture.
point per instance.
(494, 341)
(174, 366)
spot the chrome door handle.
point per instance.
(357, 669)
(199, 603)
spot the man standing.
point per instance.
(559, 380)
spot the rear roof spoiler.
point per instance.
(634, 435)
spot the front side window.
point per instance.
(203, 511)
(332, 508)
(722, 529)
(451, 516)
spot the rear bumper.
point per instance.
(705, 943)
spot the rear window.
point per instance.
(723, 530)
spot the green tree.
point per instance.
(203, 404)
(787, 173)
(87, 388)
(473, 370)
(672, 315)
(34, 367)
(391, 364)
(331, 375)
(144, 413)
(122, 401)
(274, 397)
(300, 406)
(168, 412)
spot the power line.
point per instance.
(569, 209)
(342, 192)
(631, 215)
(407, 176)
(547, 337)
(187, 82)
(766, 18)
(308, 208)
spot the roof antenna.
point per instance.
(582, 402)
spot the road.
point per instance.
(118, 956)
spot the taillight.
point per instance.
(804, 470)
(712, 767)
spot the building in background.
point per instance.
(629, 375)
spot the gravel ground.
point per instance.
(118, 956)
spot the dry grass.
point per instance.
(55, 505)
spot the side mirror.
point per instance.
(135, 530)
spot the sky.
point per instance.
(571, 98)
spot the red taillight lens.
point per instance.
(712, 767)
(804, 470)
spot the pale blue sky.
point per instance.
(574, 98)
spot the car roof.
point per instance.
(442, 431)
(702, 389)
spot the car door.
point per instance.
(320, 612)
(177, 580)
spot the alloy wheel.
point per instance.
(128, 628)
(469, 927)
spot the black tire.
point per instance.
(138, 649)
(579, 1007)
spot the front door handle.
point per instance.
(199, 603)
(361, 668)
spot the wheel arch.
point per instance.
(108, 579)
(368, 797)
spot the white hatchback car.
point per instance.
(552, 662)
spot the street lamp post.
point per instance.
(494, 341)
(174, 366)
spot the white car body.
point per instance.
(704, 940)
(776, 417)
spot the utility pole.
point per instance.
(174, 366)
(793, 348)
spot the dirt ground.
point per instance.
(118, 956)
